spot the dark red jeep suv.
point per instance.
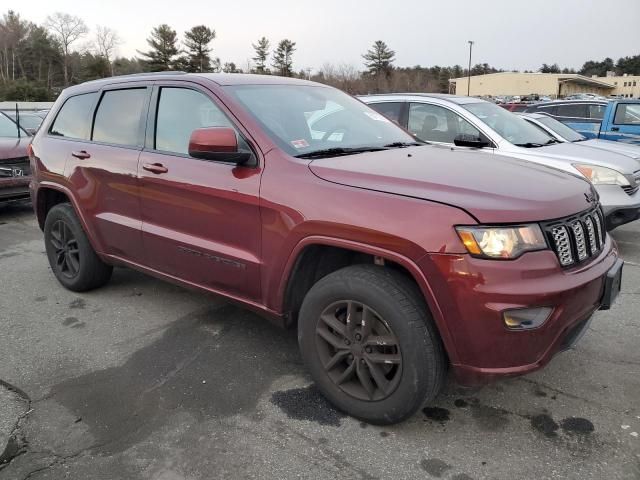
(395, 260)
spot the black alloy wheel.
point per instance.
(359, 351)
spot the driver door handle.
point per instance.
(156, 168)
(81, 154)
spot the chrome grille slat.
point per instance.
(599, 228)
(578, 235)
(563, 245)
(591, 235)
(577, 238)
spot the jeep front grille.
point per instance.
(577, 238)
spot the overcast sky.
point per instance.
(511, 34)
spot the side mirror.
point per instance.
(217, 143)
(473, 141)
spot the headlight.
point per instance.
(602, 175)
(501, 242)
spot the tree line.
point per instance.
(38, 61)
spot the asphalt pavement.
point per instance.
(145, 380)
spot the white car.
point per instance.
(467, 122)
(563, 133)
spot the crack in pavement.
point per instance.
(17, 443)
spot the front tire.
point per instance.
(370, 344)
(72, 259)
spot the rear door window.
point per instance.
(573, 110)
(391, 110)
(74, 118)
(119, 117)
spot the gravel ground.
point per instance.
(145, 380)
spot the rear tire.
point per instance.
(71, 256)
(369, 341)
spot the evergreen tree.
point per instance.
(197, 41)
(164, 49)
(282, 58)
(262, 53)
(379, 59)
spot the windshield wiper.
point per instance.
(579, 140)
(404, 144)
(338, 151)
(530, 145)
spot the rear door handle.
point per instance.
(155, 168)
(615, 129)
(82, 154)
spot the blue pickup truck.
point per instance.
(616, 120)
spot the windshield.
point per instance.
(8, 128)
(508, 125)
(28, 121)
(561, 129)
(304, 119)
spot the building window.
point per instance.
(625, 84)
(634, 83)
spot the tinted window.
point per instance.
(118, 116)
(391, 110)
(180, 112)
(627, 114)
(575, 110)
(548, 109)
(432, 123)
(596, 111)
(73, 120)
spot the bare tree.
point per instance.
(107, 41)
(66, 29)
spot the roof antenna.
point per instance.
(18, 119)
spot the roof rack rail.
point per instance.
(141, 74)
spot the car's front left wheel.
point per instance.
(72, 258)
(370, 343)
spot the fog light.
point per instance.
(526, 318)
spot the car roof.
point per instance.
(222, 79)
(566, 102)
(408, 96)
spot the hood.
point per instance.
(579, 153)
(632, 151)
(13, 147)
(494, 189)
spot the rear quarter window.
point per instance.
(73, 119)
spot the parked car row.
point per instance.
(467, 122)
(426, 234)
(616, 120)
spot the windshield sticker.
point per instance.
(300, 143)
(377, 117)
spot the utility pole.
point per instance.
(470, 42)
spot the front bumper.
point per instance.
(14, 188)
(473, 293)
(618, 207)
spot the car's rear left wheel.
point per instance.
(72, 259)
